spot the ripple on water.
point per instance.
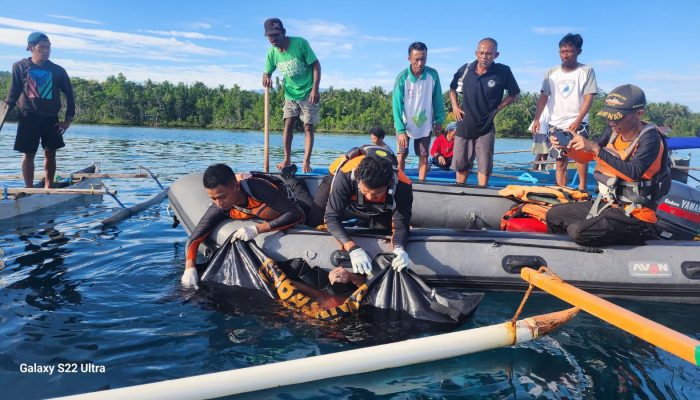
(71, 291)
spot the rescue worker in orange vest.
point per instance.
(248, 196)
(370, 187)
(632, 171)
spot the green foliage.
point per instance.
(119, 101)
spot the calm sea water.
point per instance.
(72, 292)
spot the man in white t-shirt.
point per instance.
(567, 92)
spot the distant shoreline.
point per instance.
(120, 102)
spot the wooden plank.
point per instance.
(3, 113)
(81, 175)
(57, 191)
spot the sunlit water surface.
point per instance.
(73, 292)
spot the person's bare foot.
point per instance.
(283, 164)
(306, 167)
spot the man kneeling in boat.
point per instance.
(245, 197)
(370, 187)
(632, 171)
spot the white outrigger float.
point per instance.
(414, 351)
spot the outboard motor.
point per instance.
(678, 213)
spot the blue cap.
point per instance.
(452, 126)
(35, 37)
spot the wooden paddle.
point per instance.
(266, 122)
(3, 113)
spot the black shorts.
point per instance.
(34, 128)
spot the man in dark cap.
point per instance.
(35, 90)
(295, 59)
(632, 171)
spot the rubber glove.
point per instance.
(190, 278)
(401, 260)
(246, 233)
(361, 264)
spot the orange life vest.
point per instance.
(293, 298)
(349, 162)
(534, 203)
(255, 208)
(618, 190)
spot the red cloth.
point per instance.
(442, 146)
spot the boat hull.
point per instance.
(10, 208)
(480, 257)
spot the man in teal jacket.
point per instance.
(418, 107)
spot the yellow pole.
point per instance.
(267, 131)
(674, 342)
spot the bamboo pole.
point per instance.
(350, 362)
(135, 209)
(3, 113)
(57, 191)
(266, 122)
(81, 175)
(674, 342)
(513, 151)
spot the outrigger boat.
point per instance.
(456, 242)
(83, 185)
(19, 201)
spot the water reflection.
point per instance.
(70, 290)
(41, 270)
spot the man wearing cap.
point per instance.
(443, 146)
(567, 92)
(483, 84)
(302, 75)
(35, 90)
(632, 171)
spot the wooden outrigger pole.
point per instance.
(266, 123)
(91, 191)
(81, 175)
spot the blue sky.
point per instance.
(363, 43)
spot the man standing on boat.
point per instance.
(632, 171)
(483, 84)
(302, 75)
(35, 89)
(567, 92)
(370, 187)
(418, 107)
(242, 197)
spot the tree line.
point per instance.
(120, 101)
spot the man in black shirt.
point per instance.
(482, 84)
(241, 197)
(369, 188)
(35, 90)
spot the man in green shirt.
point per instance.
(302, 74)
